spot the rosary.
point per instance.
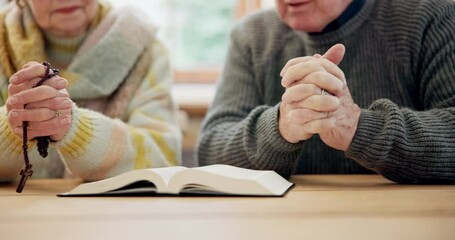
(43, 142)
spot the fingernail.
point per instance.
(14, 79)
(13, 114)
(13, 100)
(62, 83)
(17, 130)
(65, 121)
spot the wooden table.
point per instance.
(318, 207)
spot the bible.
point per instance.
(215, 179)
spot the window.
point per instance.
(196, 32)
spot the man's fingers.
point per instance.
(293, 62)
(302, 69)
(320, 80)
(322, 125)
(320, 103)
(299, 92)
(299, 116)
(335, 54)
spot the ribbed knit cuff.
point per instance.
(371, 124)
(9, 140)
(79, 136)
(277, 153)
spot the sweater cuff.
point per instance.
(371, 124)
(274, 152)
(9, 139)
(79, 136)
(268, 129)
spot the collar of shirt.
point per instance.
(350, 12)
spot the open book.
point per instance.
(213, 180)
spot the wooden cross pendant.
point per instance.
(25, 173)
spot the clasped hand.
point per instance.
(305, 111)
(47, 107)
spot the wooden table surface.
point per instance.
(318, 207)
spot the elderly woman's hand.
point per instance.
(47, 107)
(307, 110)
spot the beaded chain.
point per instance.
(43, 142)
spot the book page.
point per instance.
(231, 171)
(166, 173)
(160, 177)
(225, 179)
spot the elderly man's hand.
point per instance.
(306, 109)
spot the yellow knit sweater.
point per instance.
(123, 114)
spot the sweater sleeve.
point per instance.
(409, 146)
(11, 149)
(97, 146)
(238, 129)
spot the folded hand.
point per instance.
(305, 109)
(46, 108)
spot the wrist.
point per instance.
(352, 128)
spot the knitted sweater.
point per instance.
(123, 118)
(400, 69)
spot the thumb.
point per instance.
(335, 54)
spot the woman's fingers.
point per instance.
(46, 108)
(58, 118)
(55, 82)
(34, 95)
(41, 122)
(34, 115)
(55, 126)
(53, 103)
(30, 71)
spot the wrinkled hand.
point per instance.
(304, 111)
(43, 103)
